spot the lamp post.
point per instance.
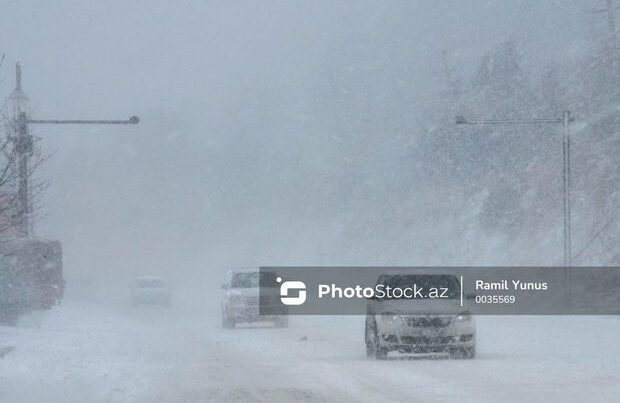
(23, 148)
(565, 121)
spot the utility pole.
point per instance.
(610, 10)
(611, 23)
(23, 148)
(565, 121)
(567, 188)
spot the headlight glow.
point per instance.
(463, 317)
(393, 319)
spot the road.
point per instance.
(86, 351)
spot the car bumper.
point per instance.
(252, 314)
(439, 343)
(447, 337)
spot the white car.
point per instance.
(424, 325)
(151, 290)
(240, 302)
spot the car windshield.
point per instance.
(426, 281)
(253, 280)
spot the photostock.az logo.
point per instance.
(300, 286)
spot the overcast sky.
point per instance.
(181, 65)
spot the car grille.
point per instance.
(428, 321)
(423, 340)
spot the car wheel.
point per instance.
(373, 348)
(470, 353)
(227, 321)
(381, 353)
(463, 353)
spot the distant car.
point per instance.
(151, 291)
(421, 325)
(240, 302)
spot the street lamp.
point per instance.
(565, 121)
(23, 147)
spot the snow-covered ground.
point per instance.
(85, 351)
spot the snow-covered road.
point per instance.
(83, 351)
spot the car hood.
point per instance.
(416, 307)
(251, 292)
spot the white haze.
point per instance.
(238, 160)
(306, 133)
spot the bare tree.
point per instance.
(10, 214)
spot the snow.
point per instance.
(323, 134)
(85, 351)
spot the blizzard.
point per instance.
(176, 141)
(99, 352)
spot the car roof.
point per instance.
(244, 270)
(248, 270)
(418, 271)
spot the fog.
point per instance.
(302, 133)
(247, 141)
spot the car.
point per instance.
(242, 296)
(151, 290)
(420, 325)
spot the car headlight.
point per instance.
(393, 320)
(462, 317)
